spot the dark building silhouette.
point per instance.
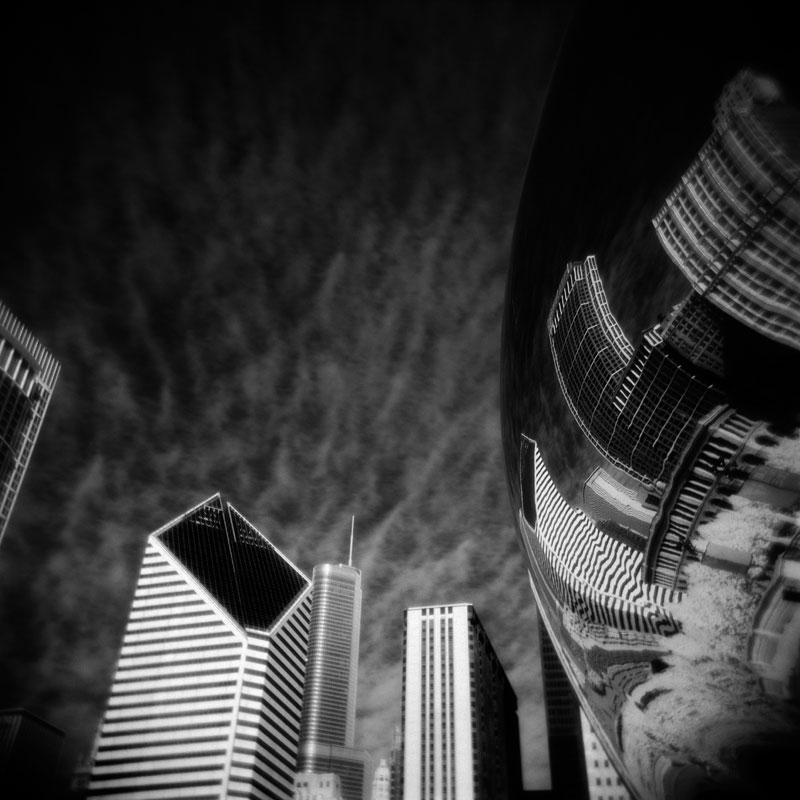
(564, 737)
(30, 749)
(732, 225)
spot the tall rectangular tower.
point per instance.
(327, 732)
(28, 375)
(208, 691)
(603, 780)
(460, 727)
(568, 777)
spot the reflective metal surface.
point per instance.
(651, 434)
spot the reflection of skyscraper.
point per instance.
(638, 407)
(732, 225)
(461, 733)
(594, 575)
(28, 375)
(649, 594)
(327, 732)
(620, 502)
(207, 695)
(604, 782)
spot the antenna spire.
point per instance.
(352, 525)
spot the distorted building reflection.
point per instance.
(672, 596)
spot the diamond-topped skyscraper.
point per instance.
(28, 375)
(327, 732)
(208, 690)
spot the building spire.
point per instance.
(352, 525)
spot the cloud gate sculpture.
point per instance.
(655, 479)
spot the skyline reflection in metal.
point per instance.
(680, 634)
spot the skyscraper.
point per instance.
(460, 727)
(208, 690)
(327, 731)
(638, 407)
(28, 375)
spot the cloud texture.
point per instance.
(270, 254)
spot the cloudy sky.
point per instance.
(269, 249)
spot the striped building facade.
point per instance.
(597, 577)
(208, 690)
(28, 375)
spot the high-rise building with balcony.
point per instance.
(732, 225)
(28, 375)
(460, 726)
(327, 732)
(208, 690)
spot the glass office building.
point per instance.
(28, 375)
